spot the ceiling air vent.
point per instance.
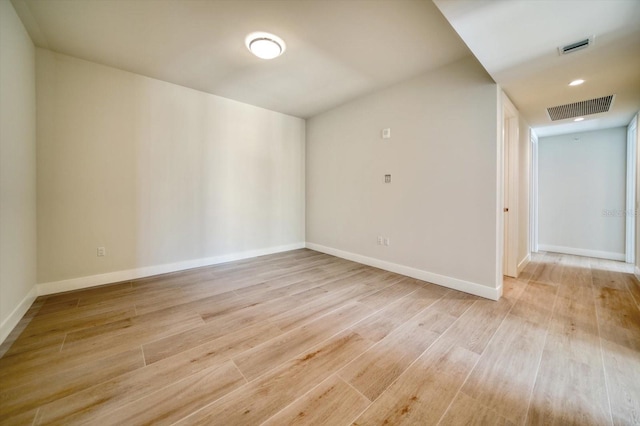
(579, 109)
(573, 47)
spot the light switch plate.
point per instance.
(386, 133)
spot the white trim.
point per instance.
(14, 317)
(630, 234)
(636, 244)
(583, 252)
(147, 271)
(533, 194)
(445, 281)
(636, 272)
(523, 263)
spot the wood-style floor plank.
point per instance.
(388, 294)
(379, 325)
(465, 410)
(424, 391)
(486, 313)
(333, 402)
(304, 313)
(266, 396)
(179, 399)
(108, 396)
(32, 394)
(305, 338)
(633, 286)
(372, 372)
(257, 361)
(24, 418)
(508, 366)
(130, 332)
(549, 270)
(571, 387)
(505, 375)
(619, 326)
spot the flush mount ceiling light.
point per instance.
(265, 45)
(577, 82)
(578, 119)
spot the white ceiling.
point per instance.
(336, 50)
(517, 40)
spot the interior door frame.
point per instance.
(630, 228)
(510, 142)
(533, 197)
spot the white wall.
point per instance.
(581, 187)
(163, 176)
(440, 211)
(17, 170)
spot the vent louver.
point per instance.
(579, 109)
(573, 47)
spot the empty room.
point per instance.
(319, 212)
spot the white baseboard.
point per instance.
(147, 271)
(583, 252)
(636, 272)
(523, 263)
(445, 281)
(14, 317)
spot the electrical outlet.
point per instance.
(387, 178)
(101, 251)
(386, 133)
(380, 240)
(387, 241)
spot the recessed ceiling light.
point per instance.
(265, 45)
(578, 119)
(577, 82)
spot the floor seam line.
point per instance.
(604, 367)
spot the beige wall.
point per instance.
(440, 211)
(157, 173)
(17, 170)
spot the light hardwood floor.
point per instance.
(305, 338)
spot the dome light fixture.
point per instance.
(578, 119)
(265, 45)
(577, 82)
